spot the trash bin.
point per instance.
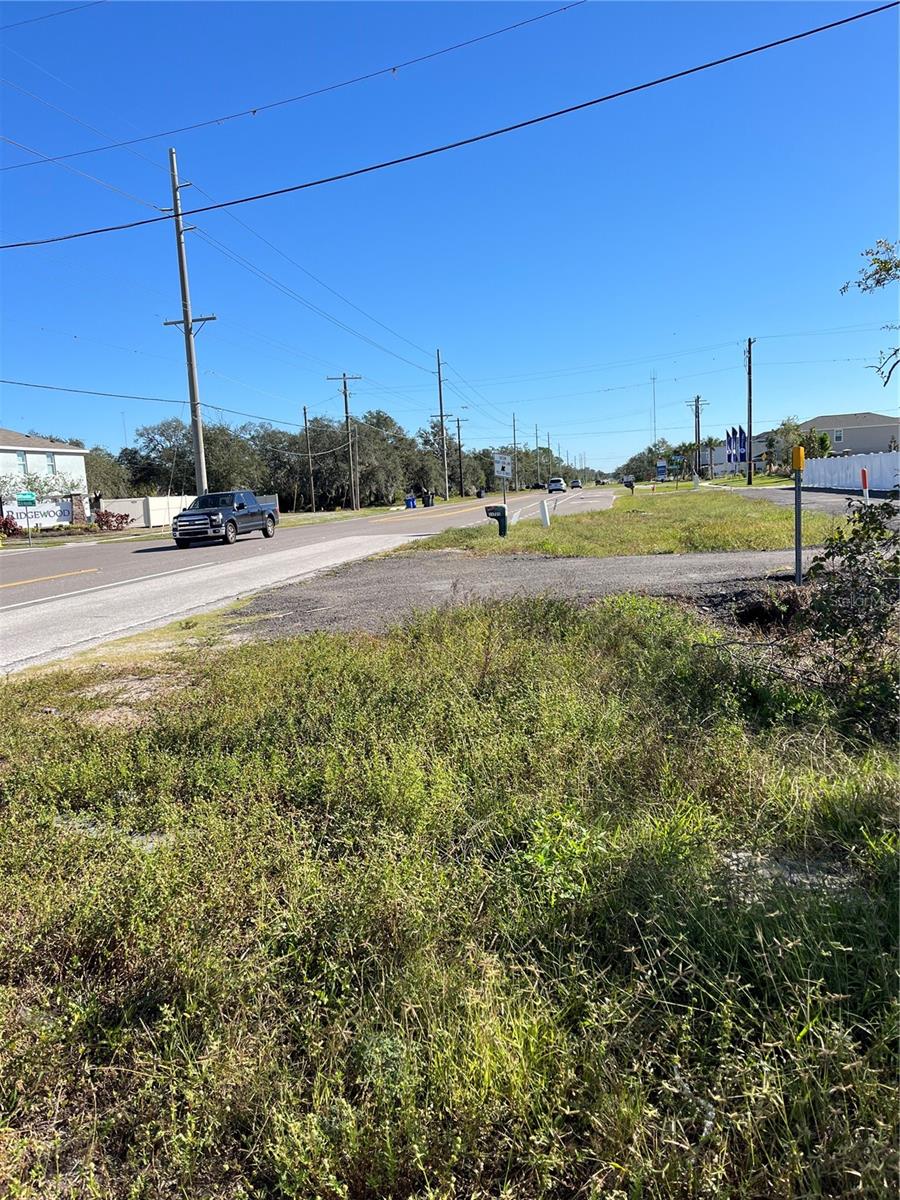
(428, 499)
(480, 493)
(410, 502)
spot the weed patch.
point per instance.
(649, 523)
(519, 900)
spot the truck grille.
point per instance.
(199, 523)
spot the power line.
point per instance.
(51, 387)
(143, 157)
(84, 175)
(332, 87)
(321, 282)
(293, 295)
(46, 17)
(469, 141)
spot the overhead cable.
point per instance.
(331, 87)
(469, 141)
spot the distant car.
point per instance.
(576, 483)
(557, 484)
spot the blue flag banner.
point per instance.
(727, 446)
(734, 445)
(742, 443)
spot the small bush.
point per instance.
(111, 522)
(853, 608)
(9, 527)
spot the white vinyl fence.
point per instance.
(148, 512)
(842, 473)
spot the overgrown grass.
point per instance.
(520, 901)
(648, 523)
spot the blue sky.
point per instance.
(556, 268)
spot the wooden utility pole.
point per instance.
(355, 435)
(312, 489)
(462, 486)
(750, 342)
(443, 428)
(344, 379)
(187, 323)
(537, 452)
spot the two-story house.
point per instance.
(32, 460)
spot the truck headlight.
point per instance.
(216, 518)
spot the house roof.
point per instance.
(852, 420)
(10, 440)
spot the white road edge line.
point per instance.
(102, 587)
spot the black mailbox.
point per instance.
(497, 512)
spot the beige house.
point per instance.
(857, 432)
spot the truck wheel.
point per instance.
(269, 527)
(230, 534)
(182, 543)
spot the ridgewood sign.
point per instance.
(43, 514)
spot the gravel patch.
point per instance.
(374, 594)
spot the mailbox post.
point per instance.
(498, 513)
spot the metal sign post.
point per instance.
(27, 500)
(798, 457)
(503, 469)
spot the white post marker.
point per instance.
(545, 514)
(864, 480)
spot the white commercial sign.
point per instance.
(44, 514)
(503, 466)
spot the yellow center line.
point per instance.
(44, 578)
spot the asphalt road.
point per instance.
(54, 602)
(374, 595)
(827, 502)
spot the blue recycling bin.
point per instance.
(410, 502)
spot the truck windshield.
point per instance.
(215, 500)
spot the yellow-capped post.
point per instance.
(798, 461)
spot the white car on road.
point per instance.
(557, 484)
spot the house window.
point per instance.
(838, 436)
(20, 462)
(51, 464)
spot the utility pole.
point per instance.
(549, 458)
(515, 456)
(462, 487)
(696, 404)
(187, 323)
(653, 389)
(343, 379)
(312, 489)
(750, 342)
(537, 452)
(356, 501)
(443, 429)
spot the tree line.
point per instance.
(390, 462)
